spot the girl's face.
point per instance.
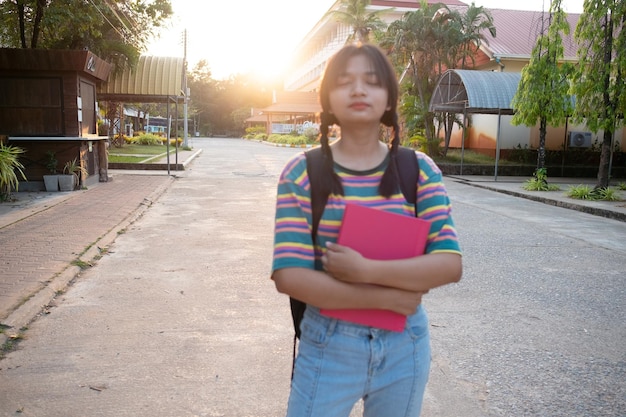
(358, 95)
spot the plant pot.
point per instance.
(51, 182)
(66, 182)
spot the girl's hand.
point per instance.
(344, 264)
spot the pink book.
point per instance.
(378, 234)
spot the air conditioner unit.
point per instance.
(580, 139)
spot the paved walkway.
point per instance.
(45, 237)
(35, 267)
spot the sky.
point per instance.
(257, 37)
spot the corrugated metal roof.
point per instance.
(155, 79)
(475, 92)
(517, 32)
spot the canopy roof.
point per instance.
(469, 91)
(154, 80)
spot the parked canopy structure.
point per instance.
(470, 91)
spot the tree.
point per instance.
(461, 35)
(362, 21)
(219, 106)
(425, 43)
(411, 40)
(542, 94)
(473, 25)
(599, 84)
(115, 30)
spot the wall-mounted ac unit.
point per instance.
(579, 139)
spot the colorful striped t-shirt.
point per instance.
(293, 246)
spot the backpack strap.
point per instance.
(408, 170)
(314, 164)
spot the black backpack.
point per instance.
(408, 169)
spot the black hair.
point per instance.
(387, 78)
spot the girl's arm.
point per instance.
(419, 274)
(323, 291)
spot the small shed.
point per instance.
(48, 104)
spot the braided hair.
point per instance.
(329, 181)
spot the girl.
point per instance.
(338, 362)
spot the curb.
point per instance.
(27, 312)
(156, 166)
(596, 211)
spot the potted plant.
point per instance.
(73, 172)
(9, 164)
(51, 180)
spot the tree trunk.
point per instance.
(448, 124)
(21, 18)
(541, 151)
(41, 4)
(605, 157)
(605, 152)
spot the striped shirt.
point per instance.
(293, 246)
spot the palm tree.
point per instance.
(430, 40)
(462, 35)
(473, 24)
(415, 43)
(354, 13)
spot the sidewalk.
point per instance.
(46, 237)
(36, 266)
(513, 186)
(175, 319)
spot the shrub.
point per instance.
(417, 141)
(173, 142)
(288, 139)
(585, 192)
(9, 164)
(539, 182)
(580, 192)
(311, 133)
(255, 130)
(148, 139)
(605, 194)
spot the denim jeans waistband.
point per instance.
(354, 329)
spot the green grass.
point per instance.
(140, 150)
(127, 159)
(136, 154)
(469, 157)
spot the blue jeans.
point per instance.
(339, 363)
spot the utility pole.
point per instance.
(185, 92)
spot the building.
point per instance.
(509, 51)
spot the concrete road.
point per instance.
(179, 318)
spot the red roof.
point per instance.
(517, 32)
(414, 3)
